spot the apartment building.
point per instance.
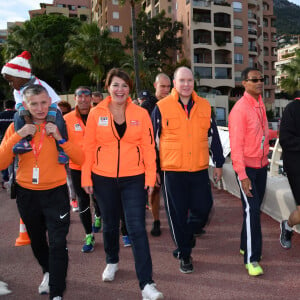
(70, 8)
(109, 14)
(221, 38)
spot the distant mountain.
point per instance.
(287, 17)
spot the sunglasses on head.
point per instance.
(255, 80)
(83, 92)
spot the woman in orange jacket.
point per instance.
(119, 168)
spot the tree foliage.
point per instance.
(291, 83)
(157, 36)
(44, 37)
(94, 50)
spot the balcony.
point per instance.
(223, 73)
(203, 72)
(252, 50)
(222, 20)
(252, 3)
(201, 3)
(202, 56)
(202, 37)
(200, 15)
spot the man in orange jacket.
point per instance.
(182, 124)
(76, 121)
(42, 192)
(249, 142)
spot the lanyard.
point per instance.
(37, 150)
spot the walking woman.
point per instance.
(119, 168)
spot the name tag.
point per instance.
(35, 175)
(134, 123)
(103, 121)
(77, 127)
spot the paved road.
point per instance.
(219, 271)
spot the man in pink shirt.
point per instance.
(249, 142)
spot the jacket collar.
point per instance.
(253, 101)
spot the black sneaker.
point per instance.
(285, 236)
(186, 265)
(22, 147)
(155, 231)
(199, 233)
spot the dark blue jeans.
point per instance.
(111, 194)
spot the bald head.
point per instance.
(162, 85)
(184, 83)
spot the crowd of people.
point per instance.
(120, 156)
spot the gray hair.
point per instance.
(158, 76)
(33, 90)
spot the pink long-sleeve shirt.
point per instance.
(249, 135)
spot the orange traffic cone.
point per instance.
(23, 238)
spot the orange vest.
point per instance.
(183, 142)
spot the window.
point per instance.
(115, 15)
(115, 2)
(203, 72)
(238, 24)
(267, 93)
(238, 41)
(238, 76)
(238, 58)
(221, 116)
(116, 28)
(237, 6)
(169, 9)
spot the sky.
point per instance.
(17, 10)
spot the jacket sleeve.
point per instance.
(237, 136)
(89, 150)
(148, 146)
(6, 147)
(74, 152)
(156, 122)
(288, 137)
(216, 146)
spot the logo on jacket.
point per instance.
(134, 123)
(103, 121)
(77, 127)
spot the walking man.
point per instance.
(162, 87)
(76, 121)
(183, 124)
(42, 192)
(249, 142)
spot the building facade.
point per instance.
(70, 8)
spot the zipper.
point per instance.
(98, 150)
(112, 128)
(139, 154)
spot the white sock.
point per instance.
(287, 227)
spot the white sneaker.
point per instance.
(109, 272)
(44, 286)
(4, 288)
(57, 298)
(2, 283)
(151, 293)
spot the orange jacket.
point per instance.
(51, 173)
(248, 134)
(183, 144)
(108, 155)
(76, 130)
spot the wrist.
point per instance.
(61, 141)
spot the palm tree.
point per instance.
(134, 43)
(94, 50)
(291, 83)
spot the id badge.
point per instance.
(35, 175)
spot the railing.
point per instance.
(275, 161)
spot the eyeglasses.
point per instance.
(255, 80)
(83, 92)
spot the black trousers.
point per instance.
(42, 211)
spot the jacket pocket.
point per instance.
(170, 155)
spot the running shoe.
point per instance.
(89, 244)
(97, 224)
(150, 292)
(22, 147)
(155, 231)
(44, 286)
(254, 269)
(74, 204)
(126, 241)
(63, 158)
(109, 272)
(285, 236)
(186, 265)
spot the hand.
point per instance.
(158, 181)
(247, 187)
(27, 129)
(217, 174)
(51, 129)
(149, 189)
(88, 189)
